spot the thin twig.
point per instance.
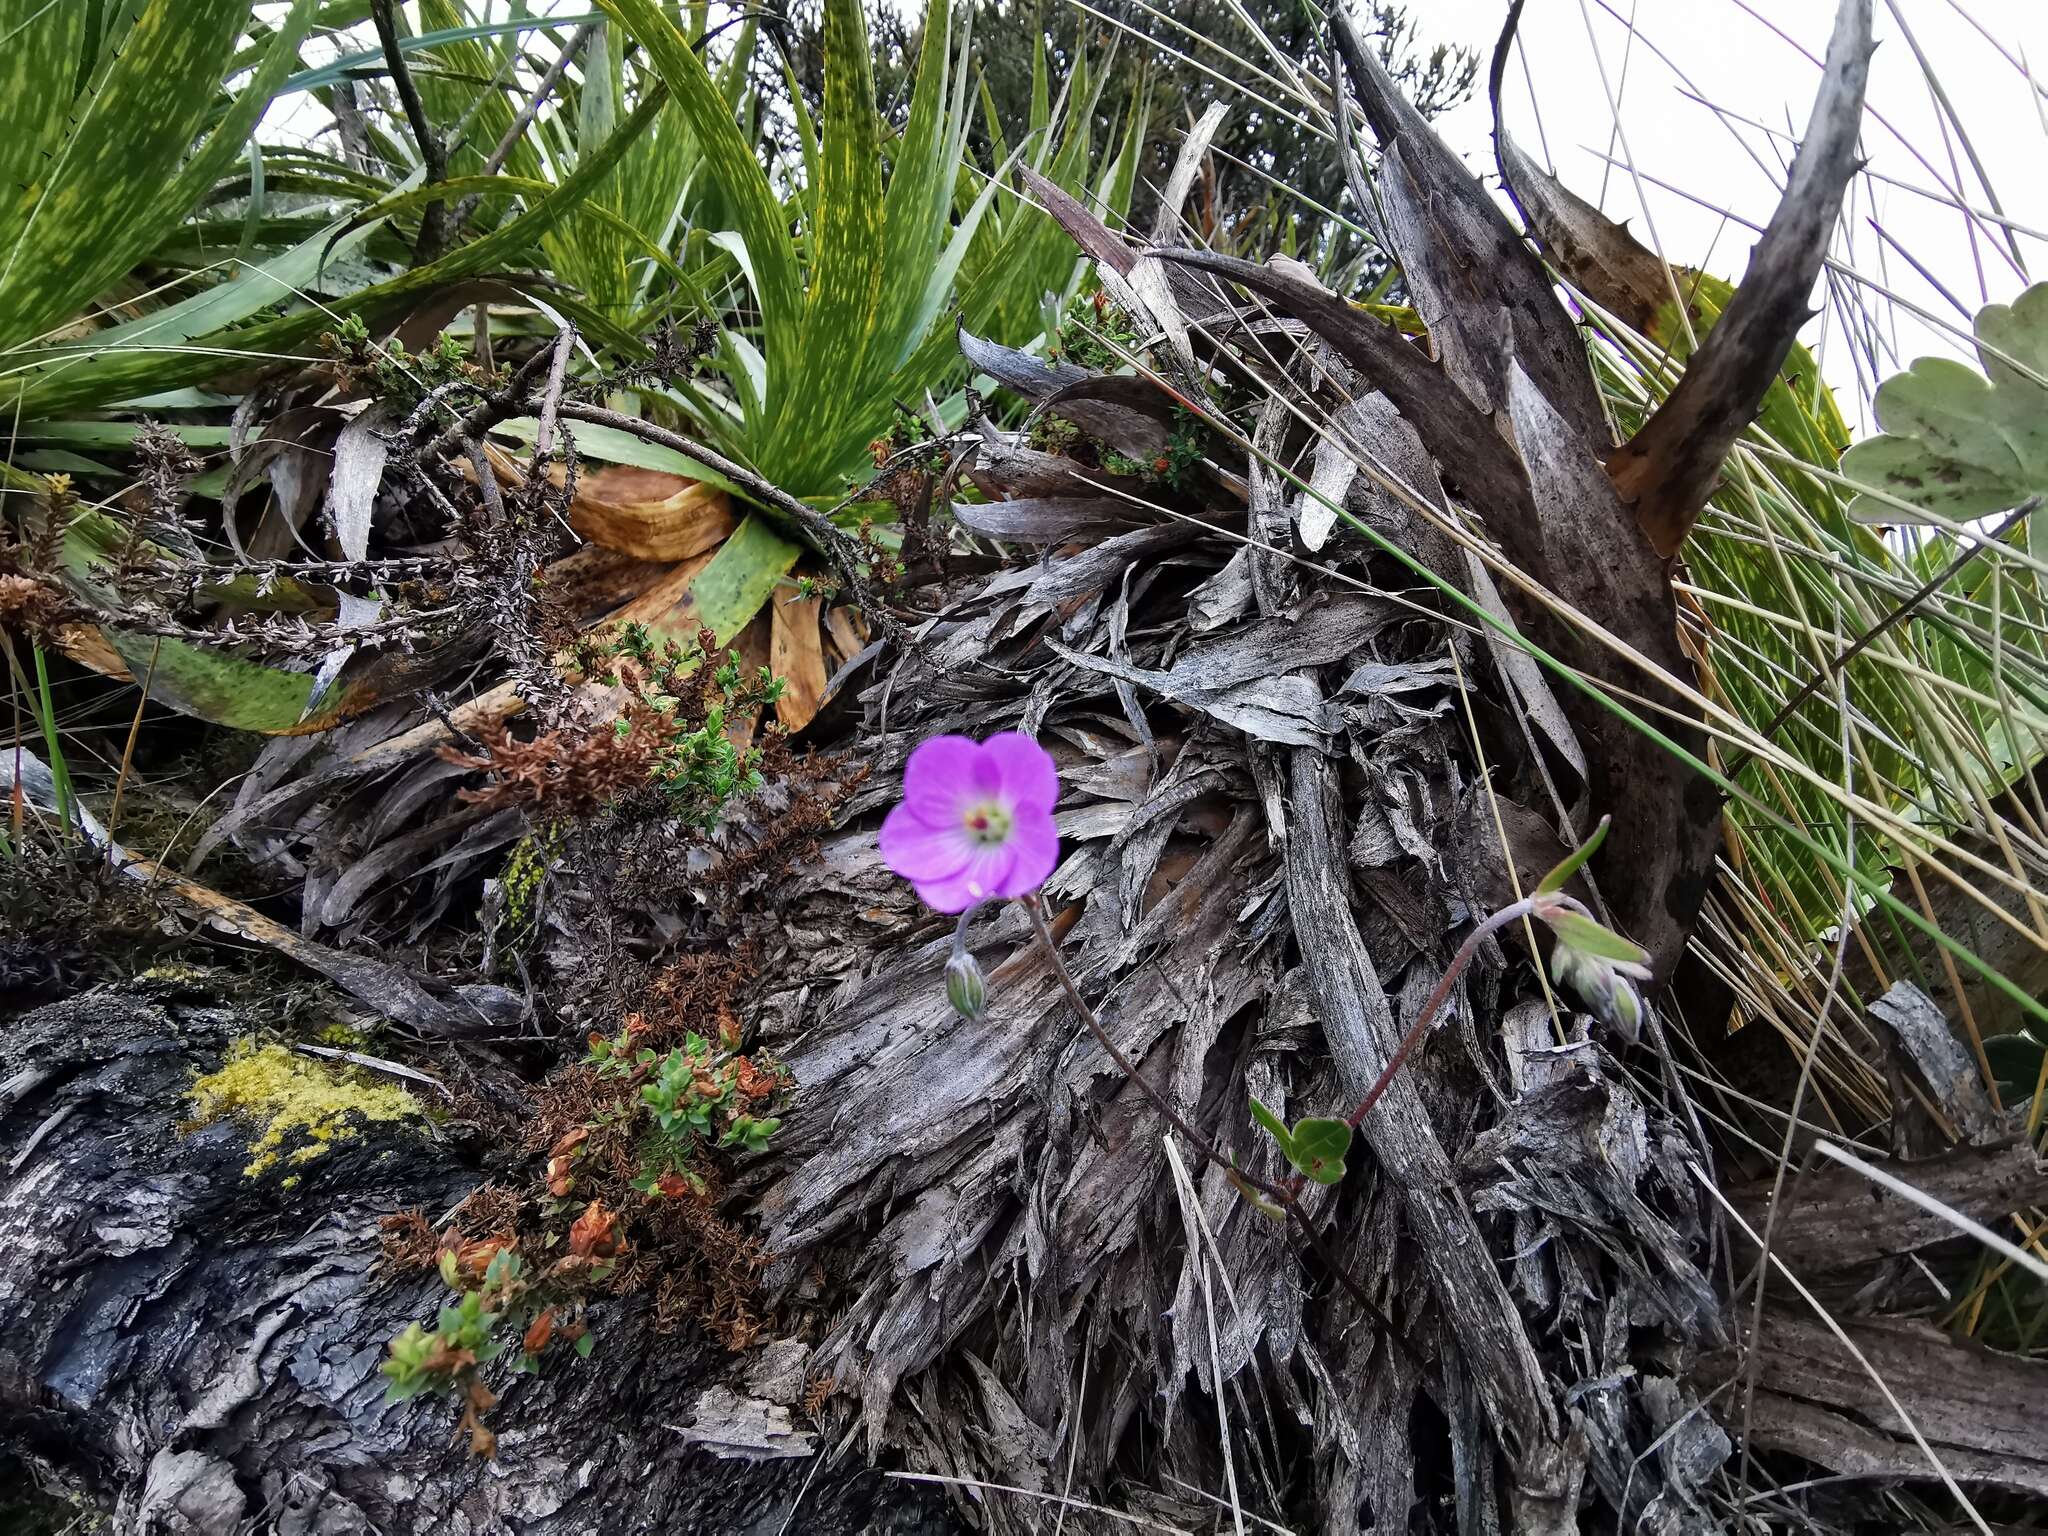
(506, 403)
(156, 650)
(1784, 1164)
(551, 400)
(433, 154)
(1513, 912)
(495, 160)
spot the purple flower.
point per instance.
(976, 820)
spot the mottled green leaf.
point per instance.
(52, 380)
(217, 685)
(1959, 443)
(735, 586)
(100, 185)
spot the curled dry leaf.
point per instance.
(646, 513)
(796, 654)
(538, 1332)
(595, 1234)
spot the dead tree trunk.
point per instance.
(196, 1352)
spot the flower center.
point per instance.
(987, 822)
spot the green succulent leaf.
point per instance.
(1959, 443)
(1318, 1149)
(1555, 880)
(1589, 937)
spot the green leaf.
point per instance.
(1590, 938)
(217, 685)
(1253, 1198)
(1556, 879)
(847, 232)
(1960, 443)
(114, 172)
(372, 60)
(585, 1345)
(77, 376)
(1318, 1149)
(1315, 1147)
(735, 586)
(611, 446)
(43, 46)
(1275, 1127)
(730, 162)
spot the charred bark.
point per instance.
(194, 1351)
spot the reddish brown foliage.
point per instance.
(574, 771)
(595, 1234)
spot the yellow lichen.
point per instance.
(290, 1096)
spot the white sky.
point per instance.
(1738, 62)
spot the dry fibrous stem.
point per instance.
(1286, 1195)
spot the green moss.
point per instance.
(289, 1097)
(525, 869)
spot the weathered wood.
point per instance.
(1833, 1218)
(1981, 1412)
(192, 1350)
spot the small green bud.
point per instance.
(966, 987)
(1625, 1009)
(1602, 986)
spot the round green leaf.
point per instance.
(1957, 442)
(1318, 1149)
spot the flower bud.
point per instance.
(1625, 1009)
(1581, 972)
(966, 987)
(1602, 985)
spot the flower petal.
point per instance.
(917, 850)
(1030, 777)
(983, 877)
(944, 771)
(1037, 848)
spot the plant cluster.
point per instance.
(635, 1136)
(689, 1099)
(1099, 335)
(403, 379)
(674, 733)
(500, 1298)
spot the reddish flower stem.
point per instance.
(1459, 962)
